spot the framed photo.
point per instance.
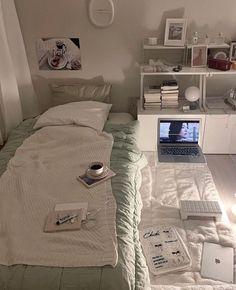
(199, 56)
(175, 32)
(232, 51)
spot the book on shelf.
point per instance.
(152, 99)
(170, 96)
(152, 104)
(169, 92)
(152, 89)
(166, 88)
(169, 85)
(154, 107)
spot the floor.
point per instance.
(223, 169)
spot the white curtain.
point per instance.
(17, 97)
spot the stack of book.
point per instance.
(169, 94)
(152, 97)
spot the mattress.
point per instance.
(130, 271)
(164, 185)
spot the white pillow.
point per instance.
(86, 113)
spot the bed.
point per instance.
(127, 269)
(164, 185)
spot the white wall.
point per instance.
(115, 51)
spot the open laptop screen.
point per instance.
(178, 131)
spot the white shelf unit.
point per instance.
(203, 72)
(212, 141)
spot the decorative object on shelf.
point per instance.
(220, 55)
(152, 40)
(220, 38)
(207, 39)
(192, 94)
(231, 100)
(220, 64)
(177, 68)
(233, 66)
(158, 65)
(232, 51)
(101, 12)
(199, 55)
(195, 38)
(175, 31)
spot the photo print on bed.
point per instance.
(58, 53)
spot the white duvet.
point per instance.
(42, 174)
(161, 195)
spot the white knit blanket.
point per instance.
(161, 195)
(43, 173)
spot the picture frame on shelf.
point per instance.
(199, 55)
(232, 51)
(175, 31)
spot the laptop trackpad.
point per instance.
(181, 159)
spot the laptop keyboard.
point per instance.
(181, 151)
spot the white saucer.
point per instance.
(104, 174)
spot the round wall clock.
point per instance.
(101, 12)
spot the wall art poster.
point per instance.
(58, 53)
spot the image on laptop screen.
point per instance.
(179, 131)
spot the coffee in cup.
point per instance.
(96, 168)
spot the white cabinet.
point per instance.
(217, 134)
(232, 143)
(217, 131)
(147, 140)
(220, 134)
(148, 131)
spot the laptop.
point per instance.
(217, 262)
(178, 141)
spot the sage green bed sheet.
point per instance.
(131, 271)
